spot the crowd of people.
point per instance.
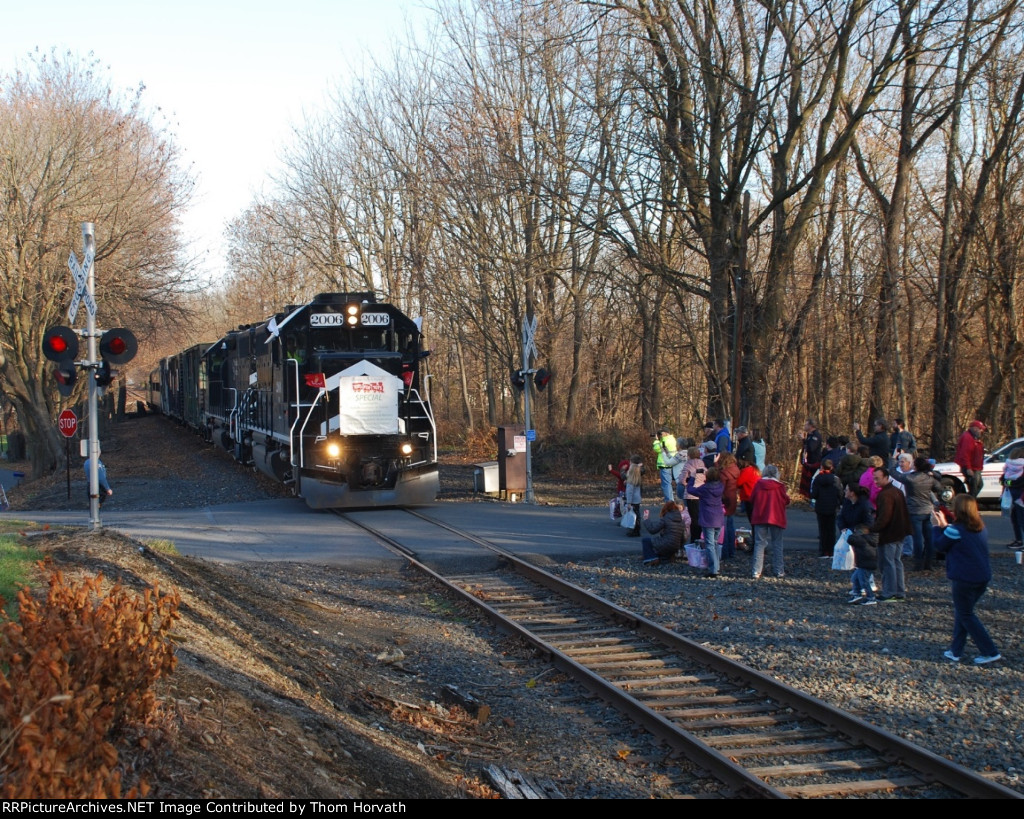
(872, 494)
(704, 487)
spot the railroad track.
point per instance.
(756, 735)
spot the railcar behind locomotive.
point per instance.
(325, 397)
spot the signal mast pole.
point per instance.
(529, 352)
(89, 246)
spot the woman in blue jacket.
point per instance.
(965, 544)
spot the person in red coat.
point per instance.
(749, 476)
(619, 473)
(768, 516)
(970, 455)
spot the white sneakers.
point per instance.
(949, 655)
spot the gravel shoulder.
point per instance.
(316, 682)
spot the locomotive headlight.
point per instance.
(407, 449)
(333, 450)
(352, 315)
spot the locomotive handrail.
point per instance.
(429, 416)
(302, 453)
(297, 406)
(232, 411)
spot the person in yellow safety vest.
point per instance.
(668, 462)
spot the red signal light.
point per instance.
(118, 346)
(65, 375)
(60, 344)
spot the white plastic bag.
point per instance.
(614, 512)
(696, 556)
(842, 554)
(628, 519)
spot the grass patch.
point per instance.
(10, 526)
(16, 562)
(163, 546)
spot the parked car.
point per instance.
(992, 470)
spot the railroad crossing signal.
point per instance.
(66, 376)
(67, 423)
(103, 374)
(60, 344)
(118, 346)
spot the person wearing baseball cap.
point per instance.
(970, 455)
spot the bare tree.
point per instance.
(72, 151)
(769, 93)
(945, 51)
(967, 189)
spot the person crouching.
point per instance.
(668, 533)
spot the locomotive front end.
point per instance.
(363, 434)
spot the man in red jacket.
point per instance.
(970, 456)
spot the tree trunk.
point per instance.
(467, 406)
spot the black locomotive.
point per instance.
(325, 397)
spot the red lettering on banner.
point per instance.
(372, 386)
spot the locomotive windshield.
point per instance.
(342, 339)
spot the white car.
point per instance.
(991, 474)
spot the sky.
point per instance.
(232, 78)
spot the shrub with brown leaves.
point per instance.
(78, 669)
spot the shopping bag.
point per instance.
(842, 554)
(628, 519)
(1006, 503)
(614, 512)
(696, 556)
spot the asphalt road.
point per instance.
(287, 530)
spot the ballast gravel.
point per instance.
(883, 663)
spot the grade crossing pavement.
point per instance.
(287, 530)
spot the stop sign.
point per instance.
(67, 422)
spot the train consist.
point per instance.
(325, 397)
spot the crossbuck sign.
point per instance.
(81, 274)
